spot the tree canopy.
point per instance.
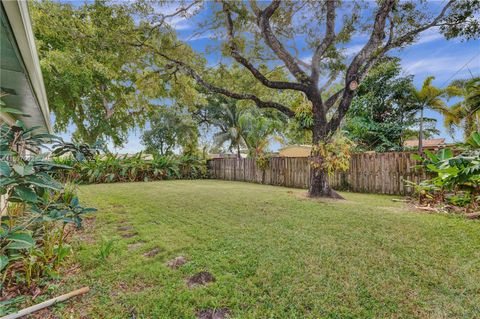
(170, 129)
(256, 34)
(382, 109)
(112, 59)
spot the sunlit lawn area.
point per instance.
(273, 253)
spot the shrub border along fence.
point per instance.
(379, 173)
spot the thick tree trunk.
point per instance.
(319, 186)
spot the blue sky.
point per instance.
(431, 55)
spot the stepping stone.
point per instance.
(221, 313)
(152, 252)
(201, 278)
(135, 245)
(129, 235)
(177, 262)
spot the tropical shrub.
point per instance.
(111, 168)
(456, 178)
(335, 155)
(36, 213)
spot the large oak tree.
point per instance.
(261, 38)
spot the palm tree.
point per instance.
(428, 97)
(228, 121)
(258, 131)
(467, 111)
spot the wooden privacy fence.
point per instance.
(380, 173)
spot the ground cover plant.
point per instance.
(189, 249)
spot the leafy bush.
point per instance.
(457, 177)
(110, 168)
(37, 209)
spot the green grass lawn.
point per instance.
(273, 252)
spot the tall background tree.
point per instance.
(100, 81)
(428, 97)
(464, 114)
(90, 73)
(383, 109)
(170, 130)
(257, 33)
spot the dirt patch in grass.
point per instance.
(125, 288)
(213, 313)
(321, 200)
(177, 262)
(201, 278)
(129, 235)
(124, 228)
(153, 252)
(136, 245)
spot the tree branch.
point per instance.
(374, 42)
(409, 35)
(327, 41)
(234, 95)
(263, 22)
(333, 99)
(331, 79)
(243, 61)
(171, 15)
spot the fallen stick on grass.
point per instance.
(46, 304)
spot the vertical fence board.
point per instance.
(381, 173)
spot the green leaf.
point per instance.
(3, 262)
(416, 157)
(44, 181)
(6, 181)
(474, 140)
(19, 169)
(7, 153)
(26, 194)
(431, 156)
(11, 110)
(20, 241)
(5, 169)
(444, 153)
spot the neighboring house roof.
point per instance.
(296, 146)
(434, 142)
(295, 151)
(20, 74)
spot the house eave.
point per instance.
(19, 20)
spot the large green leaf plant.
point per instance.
(36, 208)
(456, 177)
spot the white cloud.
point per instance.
(429, 36)
(201, 35)
(307, 59)
(434, 65)
(179, 23)
(352, 50)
